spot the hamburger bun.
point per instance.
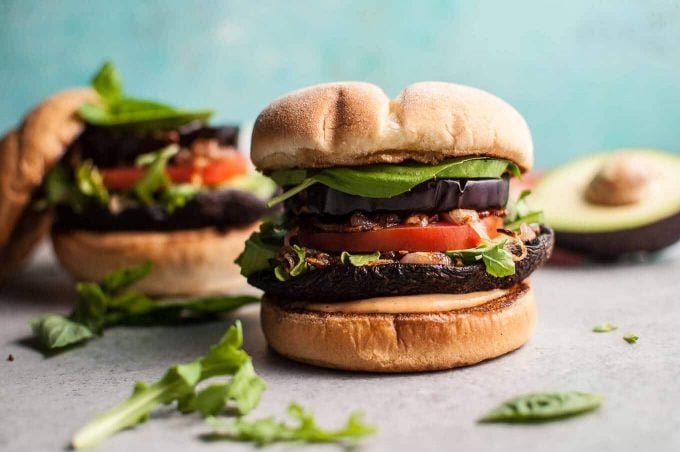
(355, 123)
(378, 342)
(186, 262)
(26, 155)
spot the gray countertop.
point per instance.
(44, 400)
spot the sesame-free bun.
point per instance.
(191, 262)
(401, 342)
(355, 123)
(26, 154)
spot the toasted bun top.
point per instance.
(355, 123)
(28, 152)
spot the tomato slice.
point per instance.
(215, 172)
(434, 237)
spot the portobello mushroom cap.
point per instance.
(346, 282)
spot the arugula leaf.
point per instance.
(107, 304)
(604, 328)
(119, 110)
(107, 83)
(359, 260)
(631, 338)
(497, 260)
(386, 181)
(261, 248)
(179, 385)
(300, 267)
(90, 182)
(519, 212)
(543, 407)
(154, 178)
(268, 430)
(57, 331)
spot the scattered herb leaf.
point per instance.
(359, 260)
(268, 430)
(631, 338)
(56, 331)
(543, 407)
(497, 259)
(604, 328)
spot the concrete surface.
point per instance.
(44, 400)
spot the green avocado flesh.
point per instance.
(561, 195)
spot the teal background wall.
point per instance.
(587, 75)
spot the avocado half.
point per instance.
(650, 224)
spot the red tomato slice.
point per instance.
(213, 173)
(435, 237)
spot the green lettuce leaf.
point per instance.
(268, 430)
(261, 248)
(497, 260)
(386, 181)
(359, 259)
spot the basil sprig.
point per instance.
(109, 303)
(387, 181)
(117, 110)
(545, 406)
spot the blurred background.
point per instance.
(587, 76)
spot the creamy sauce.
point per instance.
(411, 304)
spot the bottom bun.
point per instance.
(191, 262)
(401, 342)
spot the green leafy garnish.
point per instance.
(115, 109)
(497, 259)
(268, 430)
(359, 259)
(519, 212)
(301, 266)
(255, 183)
(631, 338)
(386, 181)
(543, 407)
(110, 303)
(90, 182)
(604, 328)
(179, 385)
(155, 179)
(261, 248)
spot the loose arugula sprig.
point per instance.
(109, 303)
(543, 407)
(519, 212)
(116, 109)
(268, 430)
(179, 384)
(497, 259)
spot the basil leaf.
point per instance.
(107, 83)
(56, 331)
(631, 338)
(604, 328)
(121, 279)
(497, 260)
(91, 309)
(268, 430)
(90, 182)
(359, 259)
(154, 178)
(543, 407)
(386, 181)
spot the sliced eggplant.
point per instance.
(431, 196)
(346, 282)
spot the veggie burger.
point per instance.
(127, 180)
(399, 249)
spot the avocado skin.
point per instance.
(346, 282)
(612, 244)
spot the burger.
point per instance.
(123, 181)
(399, 249)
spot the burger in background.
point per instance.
(130, 180)
(399, 249)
